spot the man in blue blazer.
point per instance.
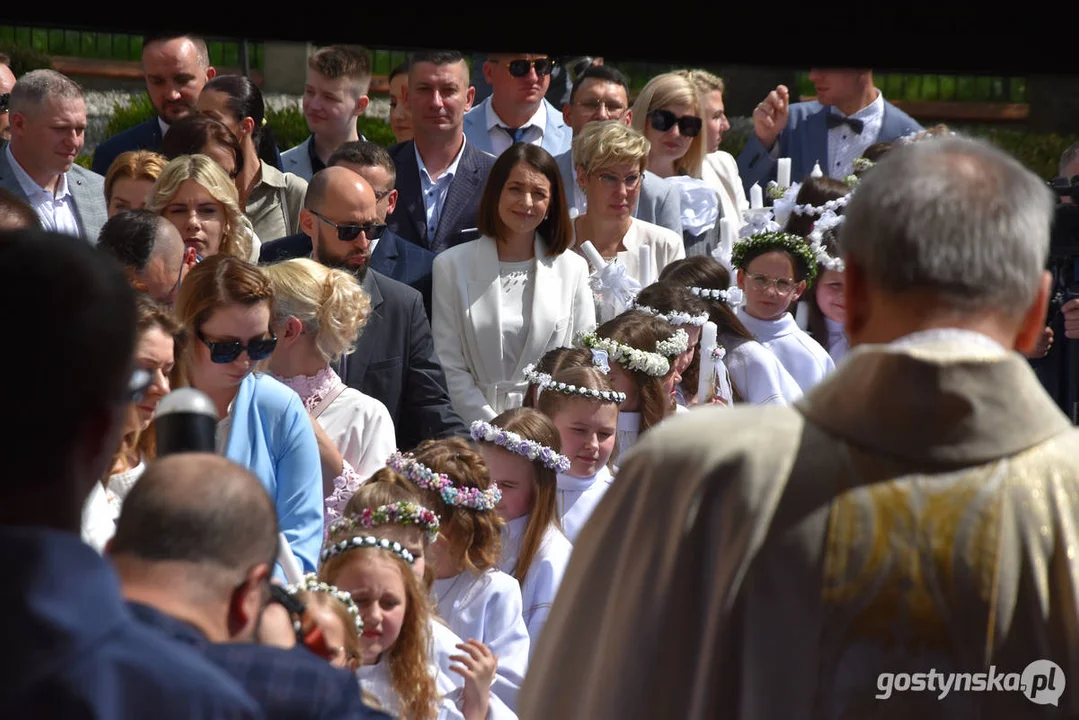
(848, 116)
(197, 573)
(602, 93)
(176, 67)
(517, 110)
(440, 172)
(38, 165)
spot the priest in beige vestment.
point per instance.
(912, 517)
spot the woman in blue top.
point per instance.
(225, 304)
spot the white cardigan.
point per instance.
(720, 170)
(467, 330)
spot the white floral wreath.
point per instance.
(831, 206)
(676, 344)
(354, 543)
(528, 449)
(675, 317)
(827, 221)
(650, 363)
(311, 583)
(731, 296)
(545, 382)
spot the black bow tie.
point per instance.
(853, 123)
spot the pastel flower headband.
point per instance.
(674, 318)
(311, 583)
(674, 345)
(650, 363)
(399, 513)
(354, 543)
(546, 383)
(528, 449)
(426, 478)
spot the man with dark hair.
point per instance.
(388, 254)
(177, 67)
(7, 82)
(15, 214)
(440, 174)
(73, 649)
(601, 92)
(151, 251)
(334, 97)
(199, 573)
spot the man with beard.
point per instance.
(177, 67)
(395, 359)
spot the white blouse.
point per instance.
(518, 281)
(544, 575)
(578, 497)
(102, 507)
(487, 607)
(802, 356)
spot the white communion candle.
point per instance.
(816, 171)
(288, 561)
(727, 233)
(645, 273)
(709, 335)
(756, 197)
(783, 173)
(592, 255)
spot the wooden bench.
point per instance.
(945, 110)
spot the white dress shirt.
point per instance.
(56, 210)
(500, 138)
(844, 144)
(435, 191)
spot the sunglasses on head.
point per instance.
(348, 233)
(664, 120)
(226, 352)
(520, 67)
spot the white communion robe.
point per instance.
(578, 497)
(802, 356)
(544, 575)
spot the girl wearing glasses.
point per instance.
(669, 111)
(158, 340)
(197, 196)
(226, 304)
(501, 301)
(272, 200)
(610, 159)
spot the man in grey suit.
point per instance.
(48, 129)
(848, 116)
(602, 93)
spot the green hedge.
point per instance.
(24, 59)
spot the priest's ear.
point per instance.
(1034, 319)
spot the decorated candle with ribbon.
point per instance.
(756, 197)
(592, 255)
(645, 273)
(783, 173)
(705, 380)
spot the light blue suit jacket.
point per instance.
(271, 435)
(805, 141)
(556, 137)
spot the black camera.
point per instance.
(1059, 370)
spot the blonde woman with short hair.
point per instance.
(669, 111)
(610, 159)
(720, 169)
(318, 314)
(199, 198)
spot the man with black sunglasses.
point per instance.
(517, 110)
(7, 81)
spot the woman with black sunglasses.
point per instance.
(225, 304)
(669, 112)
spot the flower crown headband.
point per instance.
(675, 317)
(311, 583)
(427, 479)
(529, 449)
(731, 296)
(676, 344)
(398, 513)
(650, 363)
(827, 222)
(813, 210)
(787, 242)
(355, 543)
(547, 383)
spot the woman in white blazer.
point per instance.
(500, 302)
(610, 159)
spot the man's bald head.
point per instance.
(340, 196)
(198, 509)
(15, 214)
(7, 81)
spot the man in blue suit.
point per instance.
(440, 172)
(198, 573)
(177, 67)
(848, 116)
(390, 254)
(517, 110)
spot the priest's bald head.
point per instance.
(948, 233)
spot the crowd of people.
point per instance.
(557, 417)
